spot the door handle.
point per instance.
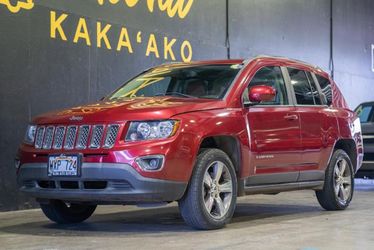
(291, 117)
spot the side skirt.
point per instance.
(276, 188)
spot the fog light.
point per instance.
(17, 163)
(151, 162)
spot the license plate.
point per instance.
(64, 165)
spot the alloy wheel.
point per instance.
(217, 189)
(342, 181)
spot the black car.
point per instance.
(366, 113)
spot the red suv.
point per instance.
(200, 133)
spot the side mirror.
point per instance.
(261, 93)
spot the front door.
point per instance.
(275, 133)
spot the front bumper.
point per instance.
(100, 183)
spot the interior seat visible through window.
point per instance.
(195, 87)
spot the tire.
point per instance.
(62, 213)
(338, 188)
(207, 203)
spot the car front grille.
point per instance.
(76, 137)
(39, 137)
(48, 137)
(111, 136)
(97, 136)
(59, 137)
(71, 132)
(78, 185)
(83, 137)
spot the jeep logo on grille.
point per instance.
(76, 118)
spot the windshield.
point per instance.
(202, 81)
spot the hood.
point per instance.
(140, 108)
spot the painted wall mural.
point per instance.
(164, 47)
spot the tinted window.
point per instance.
(315, 93)
(270, 76)
(365, 113)
(301, 86)
(325, 88)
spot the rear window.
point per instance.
(301, 86)
(325, 85)
(315, 92)
(365, 113)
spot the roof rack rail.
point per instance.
(287, 58)
(171, 62)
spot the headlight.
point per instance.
(147, 130)
(30, 134)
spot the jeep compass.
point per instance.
(201, 134)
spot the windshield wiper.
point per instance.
(176, 94)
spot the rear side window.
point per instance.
(301, 86)
(270, 76)
(365, 113)
(315, 92)
(325, 85)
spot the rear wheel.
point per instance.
(338, 189)
(210, 200)
(66, 213)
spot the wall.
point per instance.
(40, 70)
(353, 38)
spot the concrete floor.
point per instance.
(291, 220)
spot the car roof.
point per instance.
(278, 59)
(338, 98)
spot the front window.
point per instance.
(269, 76)
(202, 81)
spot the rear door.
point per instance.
(317, 124)
(274, 131)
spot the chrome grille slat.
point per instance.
(59, 137)
(97, 136)
(48, 137)
(76, 136)
(39, 137)
(71, 133)
(83, 134)
(111, 135)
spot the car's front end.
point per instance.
(71, 157)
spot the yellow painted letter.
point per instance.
(124, 41)
(101, 35)
(82, 32)
(183, 55)
(172, 7)
(168, 48)
(131, 3)
(56, 25)
(152, 46)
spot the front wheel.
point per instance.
(66, 213)
(210, 200)
(339, 183)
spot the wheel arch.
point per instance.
(228, 144)
(349, 146)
